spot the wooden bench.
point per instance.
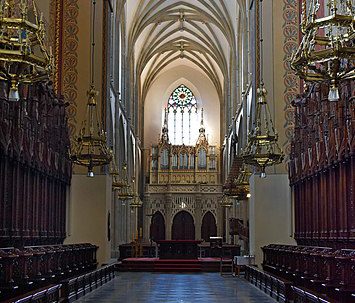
(275, 287)
(73, 289)
(318, 269)
(49, 294)
(308, 296)
(33, 267)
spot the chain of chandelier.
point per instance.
(25, 59)
(325, 54)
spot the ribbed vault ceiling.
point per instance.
(201, 32)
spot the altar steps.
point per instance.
(177, 266)
(170, 265)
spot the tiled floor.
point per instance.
(133, 287)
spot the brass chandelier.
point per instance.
(136, 202)
(124, 188)
(117, 182)
(90, 149)
(24, 58)
(226, 201)
(327, 50)
(241, 184)
(262, 149)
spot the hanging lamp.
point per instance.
(262, 149)
(241, 190)
(327, 50)
(24, 57)
(124, 192)
(89, 148)
(117, 182)
(226, 201)
(136, 201)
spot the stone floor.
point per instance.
(137, 287)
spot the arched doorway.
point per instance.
(157, 227)
(183, 226)
(209, 226)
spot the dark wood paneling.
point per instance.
(323, 270)
(322, 167)
(35, 168)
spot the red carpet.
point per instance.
(170, 265)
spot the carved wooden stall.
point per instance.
(35, 171)
(31, 267)
(35, 168)
(322, 270)
(322, 167)
(321, 171)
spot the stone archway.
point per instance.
(157, 227)
(209, 226)
(183, 227)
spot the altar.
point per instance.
(178, 249)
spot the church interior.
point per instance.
(198, 138)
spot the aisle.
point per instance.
(140, 287)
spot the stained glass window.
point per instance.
(183, 121)
(182, 96)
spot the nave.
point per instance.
(170, 288)
(177, 136)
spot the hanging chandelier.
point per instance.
(89, 148)
(136, 202)
(327, 50)
(24, 58)
(262, 149)
(226, 201)
(241, 184)
(117, 182)
(124, 191)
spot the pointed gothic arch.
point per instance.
(208, 227)
(183, 227)
(157, 227)
(121, 143)
(181, 116)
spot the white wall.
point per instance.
(269, 213)
(160, 91)
(89, 204)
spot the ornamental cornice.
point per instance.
(181, 188)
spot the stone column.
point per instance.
(168, 210)
(198, 215)
(115, 228)
(219, 213)
(147, 218)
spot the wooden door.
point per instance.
(157, 227)
(209, 226)
(183, 227)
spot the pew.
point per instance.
(73, 289)
(319, 269)
(49, 294)
(278, 288)
(33, 267)
(302, 295)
